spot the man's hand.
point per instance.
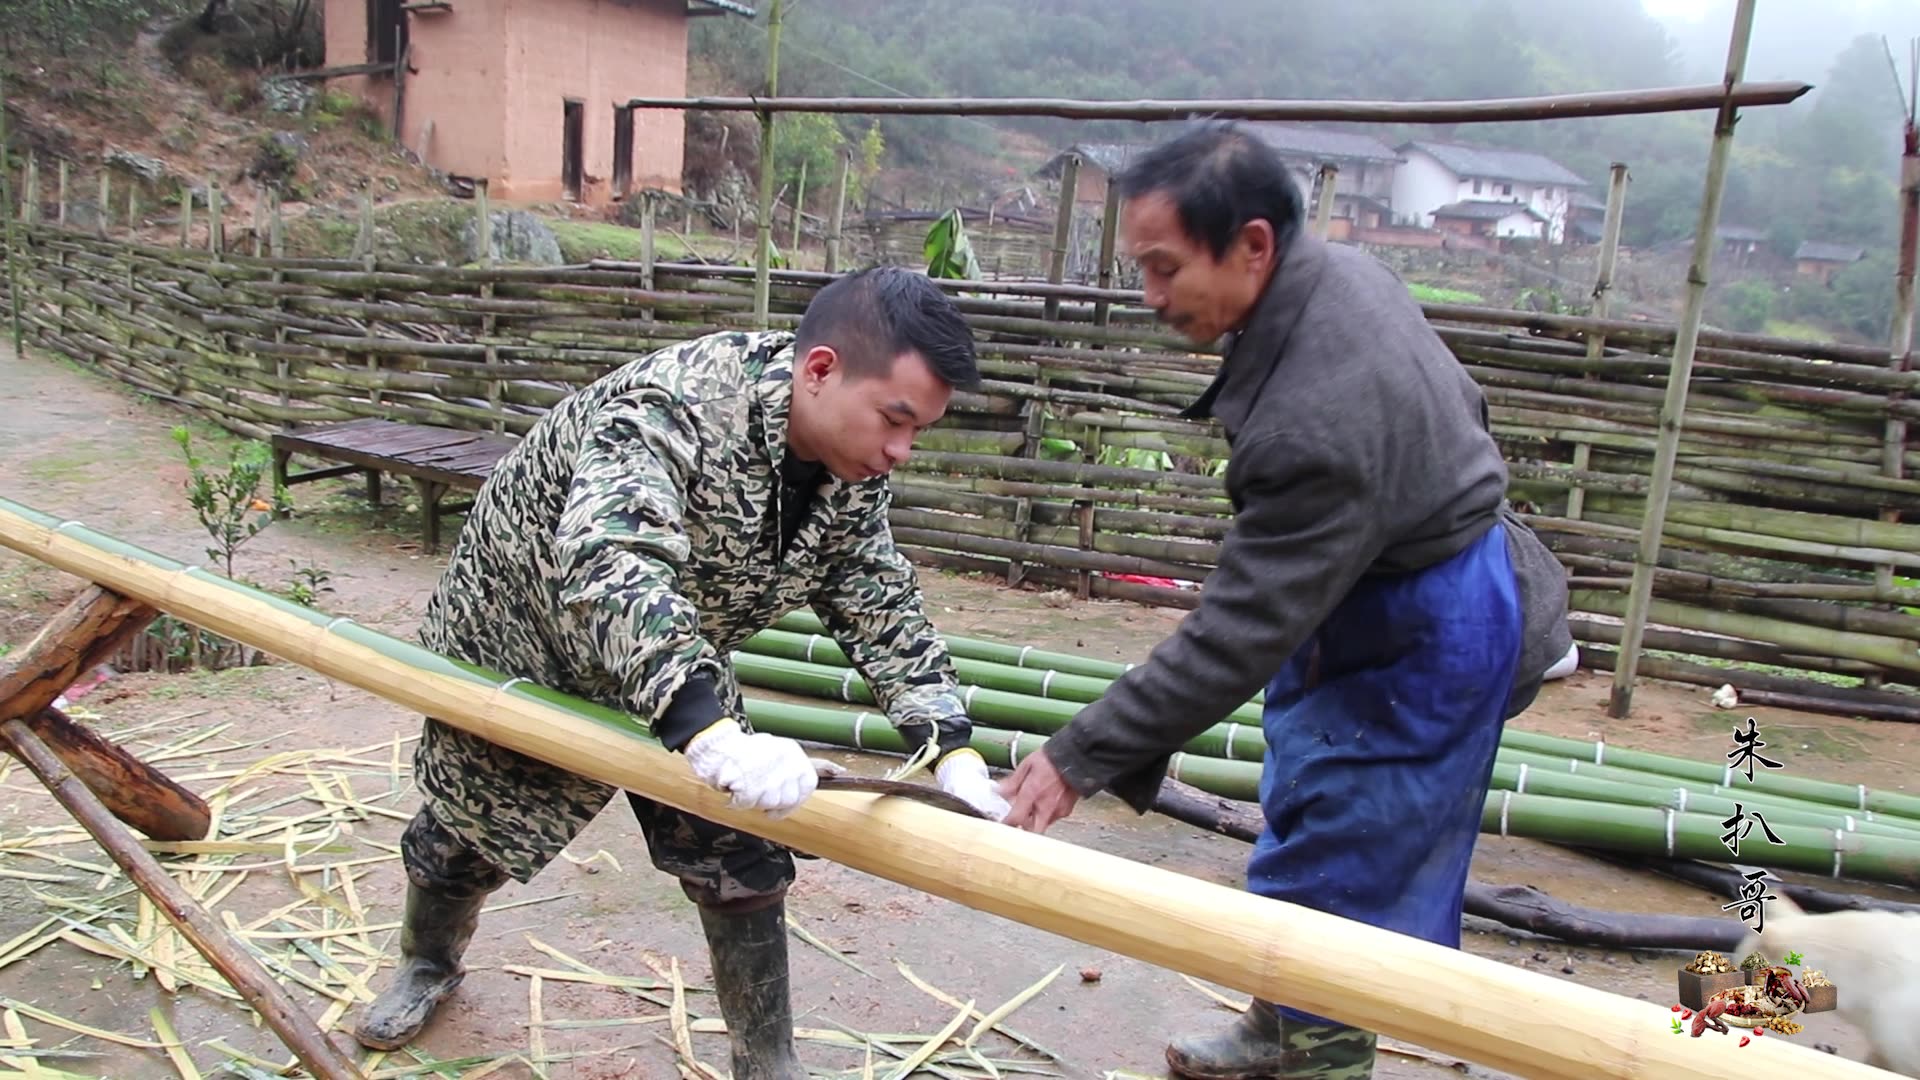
(963, 774)
(1038, 795)
(763, 772)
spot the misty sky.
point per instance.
(1792, 39)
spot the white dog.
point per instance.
(1873, 960)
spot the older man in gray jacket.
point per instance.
(1374, 583)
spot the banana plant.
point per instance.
(948, 252)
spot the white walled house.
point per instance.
(1436, 175)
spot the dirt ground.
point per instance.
(78, 446)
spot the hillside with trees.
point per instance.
(1824, 168)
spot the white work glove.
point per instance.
(963, 774)
(761, 771)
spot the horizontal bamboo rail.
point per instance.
(1483, 1011)
(1560, 106)
(1055, 470)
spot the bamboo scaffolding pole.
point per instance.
(763, 218)
(1893, 462)
(1602, 293)
(16, 296)
(1560, 106)
(1620, 701)
(1351, 972)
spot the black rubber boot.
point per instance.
(433, 936)
(749, 952)
(1250, 1048)
(1261, 1044)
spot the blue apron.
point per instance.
(1381, 733)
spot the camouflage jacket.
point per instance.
(631, 540)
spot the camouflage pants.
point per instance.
(491, 813)
(1327, 1051)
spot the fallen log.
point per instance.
(1522, 907)
(1729, 883)
(136, 792)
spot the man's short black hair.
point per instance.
(872, 316)
(1219, 176)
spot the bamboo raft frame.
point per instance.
(1445, 999)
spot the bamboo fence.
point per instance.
(1069, 467)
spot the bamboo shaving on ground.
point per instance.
(282, 870)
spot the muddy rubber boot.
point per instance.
(1250, 1048)
(1261, 1044)
(433, 936)
(749, 952)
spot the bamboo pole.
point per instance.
(483, 222)
(216, 221)
(1893, 460)
(799, 208)
(1602, 293)
(30, 212)
(15, 297)
(1109, 239)
(1062, 230)
(106, 203)
(1554, 107)
(763, 219)
(1620, 701)
(1484, 1010)
(61, 210)
(838, 220)
(186, 217)
(1323, 207)
(238, 966)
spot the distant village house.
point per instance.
(1820, 261)
(1452, 177)
(528, 94)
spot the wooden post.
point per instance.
(1109, 238)
(400, 52)
(216, 242)
(228, 957)
(483, 221)
(106, 203)
(1062, 231)
(61, 219)
(1323, 209)
(259, 222)
(363, 241)
(838, 220)
(1893, 454)
(14, 296)
(1602, 293)
(763, 223)
(799, 209)
(648, 205)
(133, 205)
(276, 226)
(186, 217)
(1673, 409)
(30, 212)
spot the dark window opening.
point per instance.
(622, 151)
(572, 151)
(386, 31)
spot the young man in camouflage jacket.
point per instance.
(641, 532)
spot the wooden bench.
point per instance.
(436, 459)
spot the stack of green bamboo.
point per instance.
(1544, 787)
(1771, 541)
